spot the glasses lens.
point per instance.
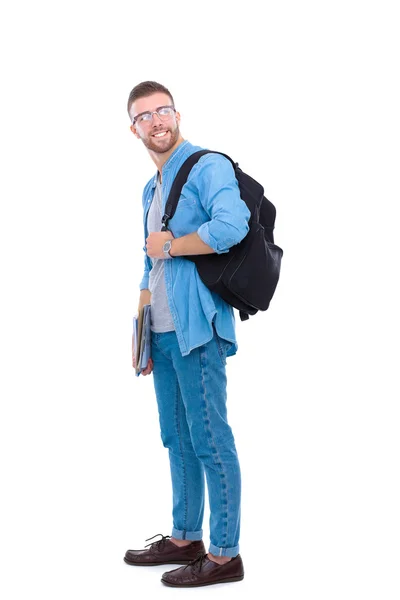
(164, 112)
(146, 117)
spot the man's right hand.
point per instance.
(145, 371)
(149, 368)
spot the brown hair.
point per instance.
(146, 88)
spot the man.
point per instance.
(193, 331)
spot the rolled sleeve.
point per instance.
(220, 196)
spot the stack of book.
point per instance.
(141, 338)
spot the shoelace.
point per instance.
(198, 561)
(159, 544)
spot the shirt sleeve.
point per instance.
(220, 196)
(144, 284)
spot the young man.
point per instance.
(193, 331)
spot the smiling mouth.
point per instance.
(160, 134)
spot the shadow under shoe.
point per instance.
(163, 552)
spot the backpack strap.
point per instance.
(180, 180)
(176, 190)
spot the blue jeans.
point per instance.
(191, 397)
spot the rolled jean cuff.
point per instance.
(232, 552)
(194, 536)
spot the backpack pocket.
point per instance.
(253, 277)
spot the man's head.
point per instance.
(154, 118)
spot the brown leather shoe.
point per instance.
(204, 571)
(164, 552)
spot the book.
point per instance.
(141, 338)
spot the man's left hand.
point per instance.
(155, 243)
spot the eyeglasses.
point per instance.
(164, 112)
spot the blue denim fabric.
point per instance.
(191, 397)
(210, 204)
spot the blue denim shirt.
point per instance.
(210, 204)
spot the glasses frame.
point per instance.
(152, 112)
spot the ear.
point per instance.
(178, 117)
(134, 131)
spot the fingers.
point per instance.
(149, 368)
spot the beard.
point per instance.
(163, 144)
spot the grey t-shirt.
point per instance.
(161, 318)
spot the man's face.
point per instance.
(147, 130)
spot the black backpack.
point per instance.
(246, 276)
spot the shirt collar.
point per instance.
(176, 153)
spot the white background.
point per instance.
(304, 95)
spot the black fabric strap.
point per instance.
(180, 180)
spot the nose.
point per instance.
(155, 114)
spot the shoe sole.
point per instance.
(187, 585)
(154, 564)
